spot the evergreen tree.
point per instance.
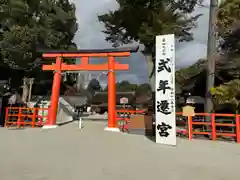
(143, 20)
(27, 25)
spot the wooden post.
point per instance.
(52, 114)
(25, 89)
(31, 81)
(112, 123)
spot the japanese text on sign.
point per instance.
(165, 90)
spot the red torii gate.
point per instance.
(111, 67)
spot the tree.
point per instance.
(229, 25)
(193, 78)
(185, 74)
(228, 94)
(229, 33)
(142, 20)
(125, 86)
(143, 90)
(27, 25)
(94, 86)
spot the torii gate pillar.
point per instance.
(111, 67)
(53, 109)
(112, 124)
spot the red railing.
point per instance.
(213, 125)
(188, 125)
(22, 116)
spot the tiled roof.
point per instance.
(102, 97)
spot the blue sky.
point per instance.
(89, 35)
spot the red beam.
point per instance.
(90, 67)
(74, 55)
(85, 60)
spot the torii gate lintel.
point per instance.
(111, 67)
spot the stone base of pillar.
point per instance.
(49, 126)
(112, 129)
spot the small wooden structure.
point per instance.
(188, 111)
(100, 101)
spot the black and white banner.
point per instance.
(165, 90)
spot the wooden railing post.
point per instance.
(34, 117)
(214, 133)
(19, 117)
(238, 128)
(190, 128)
(6, 117)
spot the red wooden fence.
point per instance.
(214, 133)
(21, 116)
(188, 125)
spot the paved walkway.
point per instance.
(68, 153)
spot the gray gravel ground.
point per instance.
(67, 153)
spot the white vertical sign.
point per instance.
(165, 90)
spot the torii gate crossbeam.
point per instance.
(111, 66)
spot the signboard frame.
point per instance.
(165, 111)
(123, 100)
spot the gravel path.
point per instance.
(67, 153)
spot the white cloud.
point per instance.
(190, 52)
(90, 36)
(187, 55)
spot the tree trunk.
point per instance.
(151, 71)
(152, 81)
(152, 77)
